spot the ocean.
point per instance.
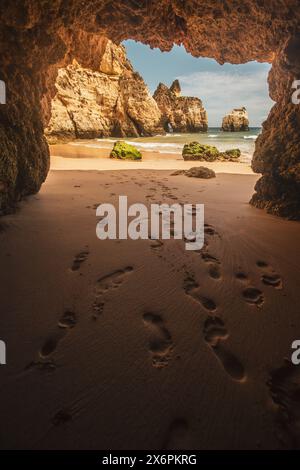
(172, 143)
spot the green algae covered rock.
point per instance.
(124, 151)
(231, 155)
(197, 151)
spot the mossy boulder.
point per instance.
(208, 153)
(197, 151)
(231, 155)
(124, 151)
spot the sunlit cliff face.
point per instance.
(36, 38)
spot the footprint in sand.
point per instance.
(67, 320)
(50, 344)
(79, 259)
(191, 288)
(160, 341)
(209, 230)
(98, 308)
(63, 416)
(104, 284)
(273, 280)
(156, 244)
(215, 333)
(112, 280)
(177, 435)
(241, 276)
(213, 265)
(269, 276)
(253, 296)
(44, 362)
(262, 264)
(214, 271)
(189, 283)
(284, 387)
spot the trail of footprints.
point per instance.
(214, 331)
(269, 277)
(160, 341)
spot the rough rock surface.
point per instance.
(236, 121)
(196, 172)
(200, 172)
(38, 38)
(124, 151)
(180, 113)
(111, 101)
(195, 151)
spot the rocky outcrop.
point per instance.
(196, 172)
(180, 113)
(200, 172)
(125, 151)
(38, 38)
(113, 101)
(195, 151)
(277, 149)
(236, 121)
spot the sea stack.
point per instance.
(180, 113)
(236, 121)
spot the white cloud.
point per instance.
(222, 91)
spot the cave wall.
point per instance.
(38, 37)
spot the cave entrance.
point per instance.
(160, 101)
(39, 39)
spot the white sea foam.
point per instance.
(253, 137)
(153, 145)
(170, 151)
(212, 135)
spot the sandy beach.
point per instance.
(144, 345)
(80, 157)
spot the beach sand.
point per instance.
(77, 157)
(141, 345)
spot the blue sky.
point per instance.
(220, 87)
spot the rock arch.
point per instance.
(36, 38)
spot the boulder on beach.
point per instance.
(199, 152)
(200, 172)
(196, 172)
(124, 151)
(231, 155)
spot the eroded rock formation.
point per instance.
(38, 38)
(180, 113)
(111, 101)
(236, 121)
(195, 151)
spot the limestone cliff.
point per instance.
(180, 113)
(111, 101)
(236, 121)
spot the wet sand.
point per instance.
(141, 345)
